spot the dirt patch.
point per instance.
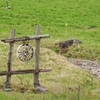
(93, 66)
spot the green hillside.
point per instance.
(63, 20)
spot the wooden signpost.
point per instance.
(35, 71)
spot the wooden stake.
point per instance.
(37, 52)
(8, 80)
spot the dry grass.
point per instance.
(63, 77)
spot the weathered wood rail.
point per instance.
(25, 38)
(24, 71)
(35, 71)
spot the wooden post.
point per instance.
(37, 52)
(9, 64)
(7, 2)
(78, 92)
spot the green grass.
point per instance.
(63, 20)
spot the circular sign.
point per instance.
(25, 52)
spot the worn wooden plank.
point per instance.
(24, 71)
(25, 38)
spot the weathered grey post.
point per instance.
(9, 64)
(37, 52)
(7, 4)
(78, 92)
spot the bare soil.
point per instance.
(93, 66)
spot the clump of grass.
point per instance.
(82, 51)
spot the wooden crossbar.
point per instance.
(25, 38)
(24, 71)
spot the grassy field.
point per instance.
(63, 20)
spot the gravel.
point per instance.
(93, 66)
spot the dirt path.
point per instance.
(93, 66)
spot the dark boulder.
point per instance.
(67, 43)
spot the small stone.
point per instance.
(41, 89)
(8, 89)
(8, 7)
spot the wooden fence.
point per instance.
(36, 70)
